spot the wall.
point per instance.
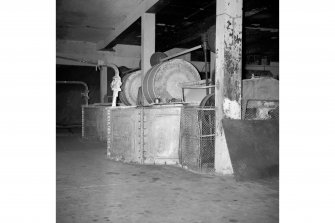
(68, 97)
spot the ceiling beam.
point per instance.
(143, 7)
(186, 35)
(72, 62)
(80, 53)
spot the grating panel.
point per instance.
(198, 138)
(262, 110)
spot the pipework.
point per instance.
(85, 94)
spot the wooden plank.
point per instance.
(228, 75)
(130, 19)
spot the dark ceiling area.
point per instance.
(182, 23)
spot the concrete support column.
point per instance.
(148, 34)
(103, 84)
(228, 75)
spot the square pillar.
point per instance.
(148, 34)
(228, 75)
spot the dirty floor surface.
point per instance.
(91, 188)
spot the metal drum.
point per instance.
(163, 80)
(129, 88)
(208, 101)
(146, 135)
(94, 118)
(211, 33)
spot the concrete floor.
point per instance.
(91, 188)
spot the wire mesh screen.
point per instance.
(198, 138)
(190, 140)
(261, 110)
(94, 123)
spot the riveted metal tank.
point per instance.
(94, 118)
(161, 130)
(129, 88)
(147, 135)
(124, 133)
(164, 80)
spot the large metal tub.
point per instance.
(94, 122)
(129, 88)
(124, 134)
(161, 134)
(147, 135)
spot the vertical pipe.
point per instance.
(183, 94)
(109, 133)
(82, 122)
(85, 94)
(103, 84)
(212, 71)
(142, 135)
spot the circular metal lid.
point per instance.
(168, 77)
(129, 88)
(208, 101)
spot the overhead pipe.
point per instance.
(100, 63)
(116, 79)
(113, 66)
(85, 94)
(76, 60)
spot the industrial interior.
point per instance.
(167, 110)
